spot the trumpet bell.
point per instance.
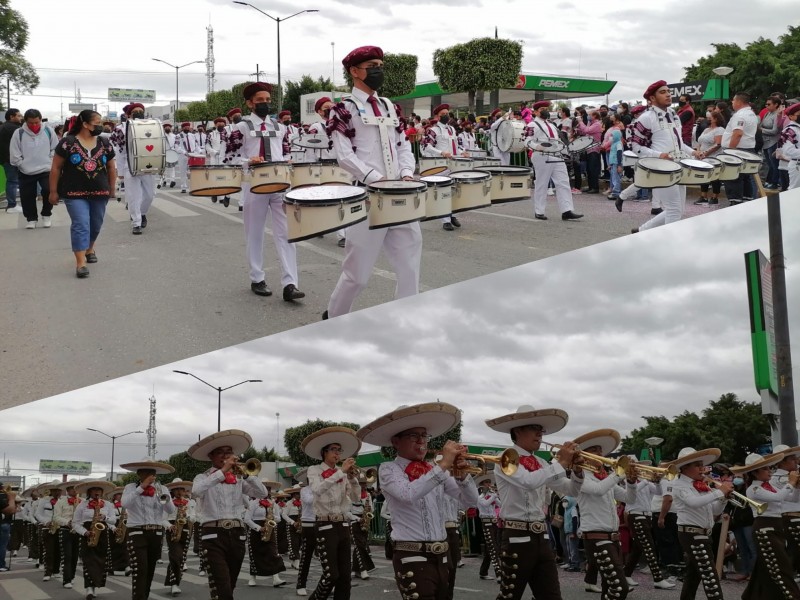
(252, 467)
(507, 462)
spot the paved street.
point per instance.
(182, 288)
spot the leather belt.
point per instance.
(637, 514)
(331, 518)
(600, 535)
(791, 514)
(427, 547)
(450, 524)
(534, 526)
(224, 523)
(488, 520)
(146, 528)
(307, 523)
(691, 529)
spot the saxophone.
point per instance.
(122, 528)
(180, 522)
(366, 516)
(269, 527)
(96, 528)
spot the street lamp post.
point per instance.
(277, 20)
(177, 68)
(113, 440)
(219, 391)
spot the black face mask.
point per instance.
(444, 119)
(681, 103)
(544, 114)
(97, 130)
(168, 131)
(186, 131)
(262, 109)
(603, 114)
(137, 115)
(237, 118)
(326, 113)
(374, 78)
(220, 127)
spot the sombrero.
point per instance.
(180, 483)
(786, 450)
(49, 485)
(238, 440)
(550, 419)
(313, 444)
(69, 484)
(480, 478)
(690, 455)
(292, 490)
(607, 439)
(302, 476)
(436, 417)
(272, 485)
(87, 484)
(153, 465)
(117, 490)
(756, 461)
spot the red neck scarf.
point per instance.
(364, 494)
(768, 486)
(180, 501)
(265, 502)
(701, 486)
(53, 501)
(297, 503)
(281, 503)
(96, 504)
(530, 463)
(117, 504)
(417, 468)
(149, 491)
(73, 500)
(327, 473)
(601, 474)
(229, 478)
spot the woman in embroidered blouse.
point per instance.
(83, 174)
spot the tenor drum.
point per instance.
(510, 183)
(439, 197)
(511, 136)
(270, 178)
(549, 148)
(146, 147)
(317, 210)
(751, 163)
(471, 190)
(478, 153)
(696, 172)
(629, 158)
(731, 167)
(582, 144)
(460, 163)
(298, 155)
(171, 158)
(315, 141)
(488, 161)
(654, 173)
(431, 165)
(196, 160)
(332, 174)
(396, 202)
(214, 180)
(305, 174)
(714, 162)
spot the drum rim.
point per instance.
(360, 193)
(396, 223)
(234, 190)
(445, 181)
(743, 155)
(476, 176)
(234, 167)
(420, 186)
(507, 169)
(326, 202)
(361, 219)
(727, 163)
(270, 164)
(704, 166)
(643, 162)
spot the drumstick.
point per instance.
(761, 192)
(723, 538)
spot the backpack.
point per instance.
(46, 129)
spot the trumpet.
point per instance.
(370, 474)
(250, 468)
(508, 462)
(652, 473)
(618, 465)
(740, 500)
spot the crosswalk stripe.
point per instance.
(173, 209)
(22, 588)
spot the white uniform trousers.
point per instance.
(183, 170)
(168, 176)
(557, 173)
(794, 174)
(629, 193)
(448, 218)
(403, 245)
(256, 209)
(673, 200)
(139, 193)
(505, 157)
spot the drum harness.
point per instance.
(383, 123)
(547, 156)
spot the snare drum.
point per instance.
(432, 165)
(548, 148)
(439, 197)
(751, 163)
(317, 210)
(298, 156)
(510, 183)
(171, 158)
(270, 178)
(146, 146)
(478, 153)
(581, 144)
(696, 172)
(471, 190)
(511, 136)
(396, 202)
(731, 167)
(714, 162)
(654, 173)
(460, 163)
(196, 160)
(316, 141)
(214, 180)
(629, 158)
(332, 174)
(488, 161)
(305, 174)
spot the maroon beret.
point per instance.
(167, 125)
(284, 113)
(496, 111)
(362, 54)
(222, 120)
(653, 88)
(638, 109)
(541, 104)
(440, 108)
(252, 89)
(234, 111)
(135, 105)
(126, 109)
(186, 124)
(792, 109)
(318, 104)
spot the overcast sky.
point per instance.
(632, 43)
(649, 324)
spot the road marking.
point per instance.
(23, 589)
(494, 214)
(173, 209)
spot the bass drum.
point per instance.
(146, 146)
(511, 136)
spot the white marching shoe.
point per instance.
(175, 590)
(664, 584)
(277, 581)
(590, 587)
(252, 581)
(296, 564)
(364, 575)
(301, 592)
(631, 582)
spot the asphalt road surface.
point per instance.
(182, 288)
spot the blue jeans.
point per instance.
(772, 163)
(5, 535)
(616, 180)
(87, 219)
(12, 184)
(747, 548)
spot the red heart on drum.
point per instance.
(149, 147)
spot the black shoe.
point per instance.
(341, 243)
(656, 211)
(241, 208)
(214, 199)
(261, 289)
(183, 191)
(158, 186)
(226, 202)
(570, 216)
(701, 202)
(325, 316)
(454, 220)
(91, 258)
(448, 227)
(291, 293)
(635, 230)
(618, 203)
(172, 184)
(144, 221)
(136, 230)
(713, 201)
(81, 272)
(592, 191)
(734, 202)
(540, 217)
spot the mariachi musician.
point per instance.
(308, 535)
(179, 533)
(790, 509)
(290, 516)
(93, 521)
(488, 509)
(118, 549)
(261, 519)
(361, 512)
(68, 540)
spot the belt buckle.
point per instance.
(537, 527)
(226, 524)
(438, 547)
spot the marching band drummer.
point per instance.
(697, 505)
(93, 521)
(466, 139)
(632, 191)
(216, 144)
(218, 492)
(773, 575)
(360, 150)
(526, 557)
(185, 144)
(169, 171)
(147, 506)
(549, 167)
(179, 534)
(505, 157)
(323, 108)
(261, 519)
(334, 488)
(416, 489)
(308, 543)
(139, 189)
(790, 509)
(256, 149)
(657, 134)
(68, 540)
(234, 143)
(441, 140)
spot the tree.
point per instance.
(399, 75)
(480, 64)
(13, 40)
(435, 443)
(294, 435)
(296, 89)
(734, 426)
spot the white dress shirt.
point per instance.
(307, 499)
(780, 478)
(746, 121)
(486, 505)
(251, 145)
(450, 509)
(596, 501)
(84, 514)
(776, 500)
(657, 131)
(645, 491)
(466, 141)
(290, 512)
(694, 508)
(186, 143)
(256, 512)
(417, 506)
(332, 495)
(439, 139)
(217, 500)
(63, 510)
(44, 510)
(146, 510)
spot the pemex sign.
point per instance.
(762, 321)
